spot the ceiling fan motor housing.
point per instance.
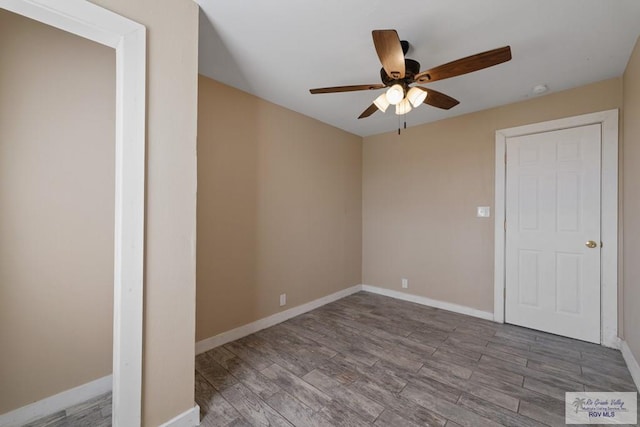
(411, 69)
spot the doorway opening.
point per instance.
(127, 38)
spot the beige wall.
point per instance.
(421, 190)
(631, 191)
(279, 209)
(169, 292)
(57, 127)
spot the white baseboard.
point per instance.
(613, 342)
(429, 302)
(58, 402)
(632, 363)
(248, 329)
(189, 418)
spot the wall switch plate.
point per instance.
(405, 283)
(283, 299)
(483, 212)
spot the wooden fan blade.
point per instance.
(465, 65)
(389, 51)
(369, 111)
(346, 88)
(439, 99)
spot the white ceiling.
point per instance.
(279, 49)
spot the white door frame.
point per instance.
(128, 38)
(609, 253)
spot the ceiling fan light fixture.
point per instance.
(395, 94)
(416, 96)
(403, 107)
(382, 103)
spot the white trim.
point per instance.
(128, 38)
(253, 327)
(609, 280)
(189, 418)
(609, 230)
(55, 403)
(461, 309)
(632, 363)
(499, 234)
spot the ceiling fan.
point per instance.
(399, 73)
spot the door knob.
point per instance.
(591, 244)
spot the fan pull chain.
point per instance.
(404, 117)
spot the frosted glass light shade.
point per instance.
(382, 103)
(416, 96)
(395, 94)
(403, 107)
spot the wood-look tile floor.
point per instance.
(92, 413)
(371, 360)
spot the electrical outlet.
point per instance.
(405, 283)
(283, 299)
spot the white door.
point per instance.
(552, 247)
